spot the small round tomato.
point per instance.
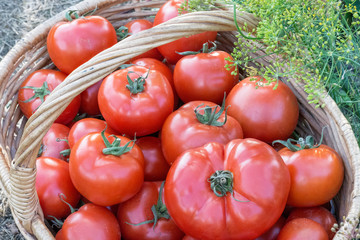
(274, 231)
(265, 113)
(90, 222)
(54, 187)
(138, 25)
(35, 89)
(195, 124)
(106, 173)
(316, 175)
(302, 228)
(318, 214)
(54, 143)
(232, 191)
(89, 103)
(204, 77)
(86, 126)
(192, 43)
(70, 44)
(142, 208)
(136, 100)
(156, 166)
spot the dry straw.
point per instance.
(20, 138)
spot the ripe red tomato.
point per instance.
(139, 108)
(236, 191)
(138, 25)
(86, 126)
(34, 90)
(55, 142)
(204, 77)
(316, 175)
(183, 129)
(106, 173)
(89, 103)
(192, 43)
(52, 182)
(90, 222)
(156, 166)
(318, 214)
(70, 44)
(274, 231)
(302, 228)
(264, 113)
(140, 209)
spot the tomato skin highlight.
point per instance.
(264, 113)
(204, 77)
(302, 228)
(182, 130)
(138, 209)
(261, 182)
(316, 175)
(70, 44)
(137, 114)
(192, 43)
(105, 180)
(90, 222)
(56, 170)
(52, 78)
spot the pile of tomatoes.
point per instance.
(174, 146)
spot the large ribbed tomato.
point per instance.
(233, 191)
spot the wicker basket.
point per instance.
(20, 138)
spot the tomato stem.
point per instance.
(221, 182)
(210, 115)
(159, 210)
(137, 85)
(122, 32)
(39, 92)
(114, 148)
(205, 49)
(301, 143)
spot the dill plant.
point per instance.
(315, 42)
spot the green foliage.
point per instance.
(314, 42)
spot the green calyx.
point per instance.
(122, 32)
(137, 85)
(74, 14)
(301, 143)
(159, 210)
(115, 148)
(211, 115)
(221, 183)
(40, 92)
(205, 49)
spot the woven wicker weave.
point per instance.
(20, 138)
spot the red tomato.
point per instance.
(318, 214)
(274, 231)
(316, 175)
(302, 228)
(138, 25)
(192, 43)
(264, 113)
(204, 77)
(86, 126)
(52, 182)
(89, 102)
(104, 175)
(90, 222)
(55, 142)
(183, 129)
(34, 90)
(187, 237)
(138, 110)
(156, 167)
(236, 191)
(70, 44)
(140, 209)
